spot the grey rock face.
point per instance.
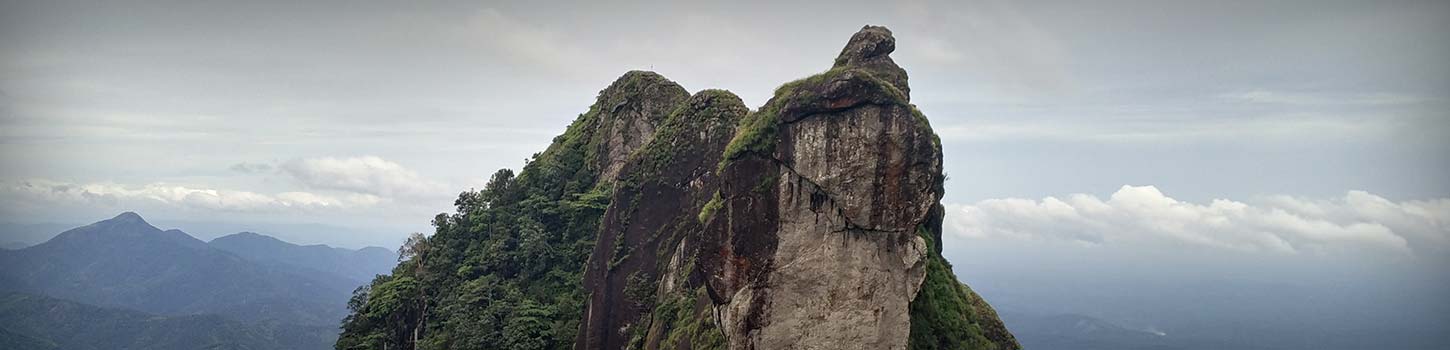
(874, 161)
(635, 104)
(831, 286)
(658, 193)
(870, 49)
(853, 173)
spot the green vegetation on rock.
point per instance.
(711, 207)
(661, 190)
(948, 315)
(708, 110)
(682, 322)
(757, 132)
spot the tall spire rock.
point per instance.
(828, 192)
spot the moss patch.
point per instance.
(710, 208)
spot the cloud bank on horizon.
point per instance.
(312, 189)
(178, 196)
(1356, 222)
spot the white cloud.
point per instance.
(46, 192)
(1358, 221)
(366, 175)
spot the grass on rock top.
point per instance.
(756, 133)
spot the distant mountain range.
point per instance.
(125, 264)
(16, 235)
(357, 265)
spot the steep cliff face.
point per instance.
(826, 191)
(631, 120)
(661, 220)
(658, 195)
(816, 228)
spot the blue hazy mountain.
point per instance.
(124, 262)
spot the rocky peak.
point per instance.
(630, 109)
(870, 44)
(829, 197)
(870, 49)
(125, 231)
(126, 224)
(128, 217)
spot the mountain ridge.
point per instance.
(359, 265)
(125, 262)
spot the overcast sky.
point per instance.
(1297, 127)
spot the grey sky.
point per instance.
(375, 114)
